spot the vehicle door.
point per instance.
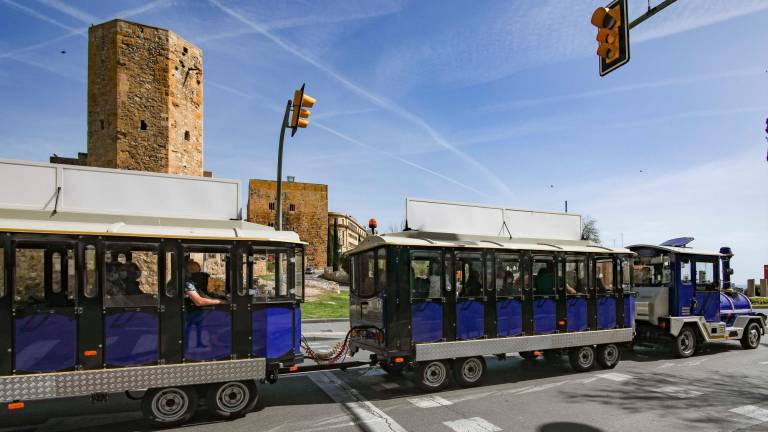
(44, 305)
(576, 293)
(273, 313)
(706, 281)
(605, 282)
(544, 301)
(509, 294)
(470, 294)
(427, 282)
(683, 296)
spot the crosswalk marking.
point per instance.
(764, 363)
(430, 402)
(389, 385)
(613, 376)
(544, 387)
(752, 411)
(474, 424)
(679, 392)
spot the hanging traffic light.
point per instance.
(300, 116)
(612, 35)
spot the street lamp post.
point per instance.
(279, 200)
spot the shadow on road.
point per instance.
(567, 427)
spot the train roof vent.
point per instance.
(678, 242)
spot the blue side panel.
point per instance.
(259, 332)
(207, 335)
(297, 329)
(629, 311)
(683, 300)
(45, 342)
(470, 319)
(577, 314)
(606, 312)
(544, 316)
(509, 317)
(131, 338)
(279, 331)
(427, 321)
(708, 306)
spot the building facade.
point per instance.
(305, 211)
(349, 231)
(145, 99)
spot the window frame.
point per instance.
(595, 277)
(543, 256)
(457, 258)
(506, 257)
(685, 259)
(715, 267)
(48, 248)
(373, 261)
(3, 272)
(259, 249)
(577, 258)
(140, 246)
(411, 278)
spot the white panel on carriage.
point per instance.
(27, 186)
(543, 225)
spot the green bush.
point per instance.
(759, 300)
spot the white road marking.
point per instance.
(544, 387)
(389, 385)
(665, 365)
(679, 392)
(696, 362)
(367, 415)
(765, 363)
(473, 396)
(588, 380)
(752, 411)
(430, 402)
(474, 424)
(613, 376)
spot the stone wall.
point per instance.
(305, 211)
(145, 99)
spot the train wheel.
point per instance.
(751, 337)
(582, 359)
(169, 406)
(684, 344)
(432, 375)
(469, 371)
(608, 356)
(232, 399)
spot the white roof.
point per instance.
(431, 239)
(682, 250)
(36, 221)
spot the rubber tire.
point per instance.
(425, 375)
(745, 340)
(394, 370)
(150, 399)
(528, 355)
(608, 356)
(211, 399)
(476, 364)
(582, 359)
(686, 334)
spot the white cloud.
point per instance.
(71, 11)
(38, 15)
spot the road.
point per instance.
(723, 388)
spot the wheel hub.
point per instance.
(232, 397)
(471, 370)
(170, 404)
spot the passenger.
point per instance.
(190, 290)
(131, 281)
(115, 280)
(434, 282)
(473, 287)
(544, 283)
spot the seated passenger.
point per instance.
(434, 283)
(190, 290)
(131, 281)
(473, 287)
(544, 283)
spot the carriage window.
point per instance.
(243, 288)
(366, 282)
(543, 275)
(29, 276)
(56, 273)
(90, 271)
(131, 276)
(170, 274)
(509, 280)
(381, 277)
(2, 271)
(269, 272)
(469, 274)
(651, 270)
(575, 275)
(705, 275)
(426, 272)
(207, 271)
(71, 273)
(604, 274)
(685, 270)
(298, 274)
(626, 274)
(282, 275)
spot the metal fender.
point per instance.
(742, 321)
(677, 323)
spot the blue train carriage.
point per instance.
(94, 304)
(439, 302)
(682, 302)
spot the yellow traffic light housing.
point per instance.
(300, 116)
(612, 36)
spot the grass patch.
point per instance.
(328, 306)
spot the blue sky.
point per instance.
(493, 102)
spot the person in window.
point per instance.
(434, 282)
(545, 281)
(131, 282)
(190, 290)
(473, 287)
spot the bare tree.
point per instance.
(395, 227)
(590, 231)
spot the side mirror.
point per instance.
(729, 271)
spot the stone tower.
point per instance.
(145, 99)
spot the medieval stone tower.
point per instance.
(145, 99)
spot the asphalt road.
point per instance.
(722, 388)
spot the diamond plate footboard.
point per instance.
(79, 383)
(447, 350)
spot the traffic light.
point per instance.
(612, 35)
(300, 116)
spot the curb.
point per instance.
(324, 320)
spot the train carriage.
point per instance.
(438, 302)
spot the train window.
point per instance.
(575, 275)
(90, 272)
(469, 274)
(543, 275)
(626, 274)
(381, 275)
(366, 286)
(509, 280)
(685, 270)
(2, 271)
(170, 274)
(298, 274)
(243, 287)
(652, 270)
(604, 274)
(71, 273)
(705, 275)
(426, 273)
(29, 276)
(282, 275)
(264, 274)
(56, 273)
(131, 275)
(208, 273)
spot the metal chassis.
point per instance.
(676, 324)
(87, 382)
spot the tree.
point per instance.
(590, 231)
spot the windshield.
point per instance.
(652, 270)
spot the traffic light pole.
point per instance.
(279, 200)
(651, 12)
